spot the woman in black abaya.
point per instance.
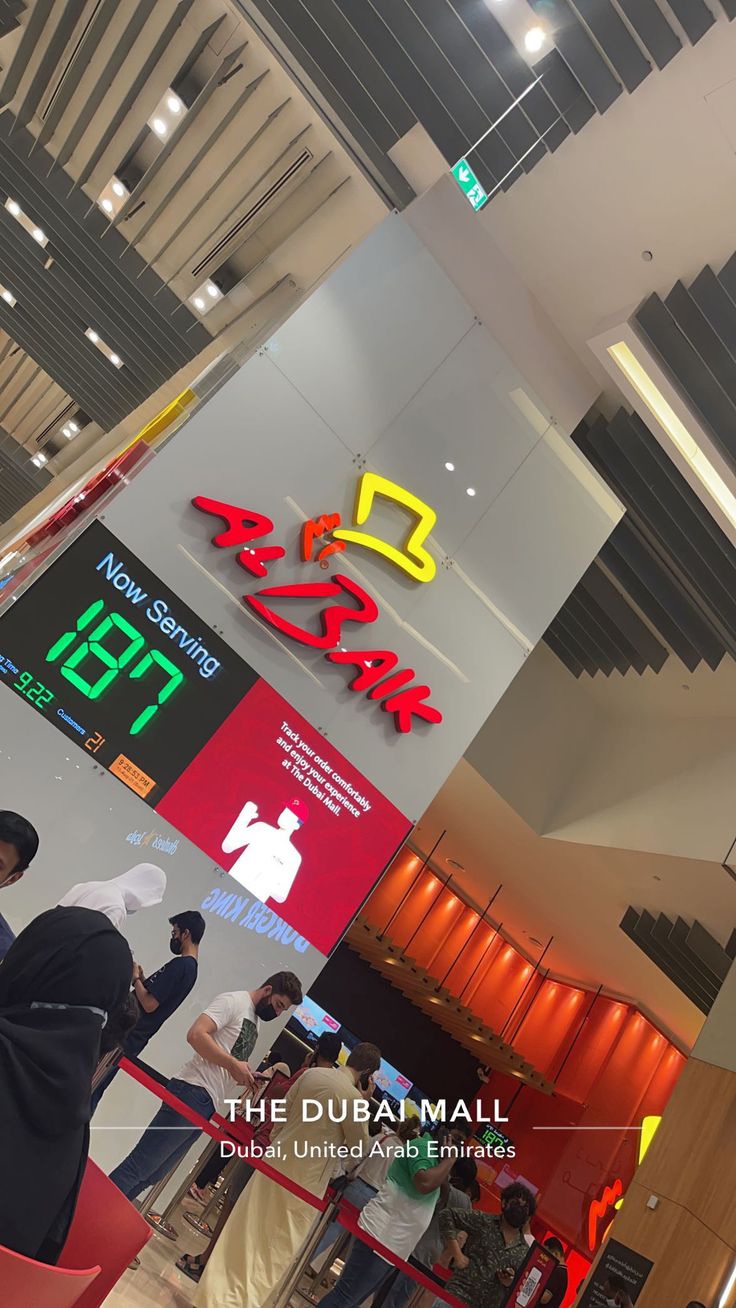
(58, 981)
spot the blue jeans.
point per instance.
(363, 1274)
(402, 1290)
(357, 1193)
(164, 1142)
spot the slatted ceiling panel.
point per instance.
(564, 89)
(576, 640)
(655, 33)
(694, 15)
(654, 609)
(35, 21)
(557, 644)
(584, 617)
(10, 15)
(20, 480)
(483, 82)
(613, 36)
(677, 538)
(689, 955)
(632, 634)
(704, 339)
(717, 307)
(690, 373)
(579, 52)
(729, 7)
(65, 83)
(502, 55)
(65, 17)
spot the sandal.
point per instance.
(191, 1265)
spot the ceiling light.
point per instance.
(92, 336)
(119, 189)
(470, 491)
(26, 223)
(199, 302)
(206, 296)
(707, 474)
(13, 207)
(39, 459)
(213, 290)
(115, 358)
(66, 432)
(534, 39)
(39, 235)
(73, 427)
(173, 104)
(8, 296)
(107, 205)
(159, 126)
(450, 467)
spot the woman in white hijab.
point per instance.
(142, 886)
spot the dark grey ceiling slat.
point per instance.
(650, 651)
(727, 277)
(616, 41)
(560, 649)
(649, 22)
(565, 90)
(478, 73)
(684, 963)
(694, 16)
(650, 606)
(30, 39)
(693, 323)
(578, 641)
(366, 65)
(425, 104)
(392, 178)
(650, 576)
(640, 931)
(676, 534)
(351, 80)
(137, 86)
(579, 52)
(67, 16)
(87, 108)
(98, 23)
(578, 622)
(713, 957)
(605, 631)
(178, 135)
(154, 211)
(716, 305)
(729, 7)
(514, 71)
(685, 366)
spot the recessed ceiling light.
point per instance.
(159, 126)
(39, 235)
(450, 467)
(115, 358)
(199, 302)
(119, 189)
(13, 207)
(8, 297)
(470, 491)
(92, 336)
(73, 427)
(213, 290)
(534, 39)
(173, 104)
(39, 459)
(107, 205)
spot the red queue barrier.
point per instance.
(240, 1133)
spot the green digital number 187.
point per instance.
(93, 645)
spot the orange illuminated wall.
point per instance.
(610, 1066)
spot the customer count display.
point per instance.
(102, 649)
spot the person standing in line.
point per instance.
(494, 1251)
(269, 1224)
(142, 886)
(324, 1055)
(556, 1288)
(18, 848)
(66, 971)
(222, 1038)
(454, 1194)
(397, 1217)
(159, 995)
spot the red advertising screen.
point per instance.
(287, 816)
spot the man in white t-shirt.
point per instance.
(223, 1038)
(269, 862)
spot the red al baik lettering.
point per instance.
(244, 525)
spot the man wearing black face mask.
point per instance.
(494, 1251)
(159, 995)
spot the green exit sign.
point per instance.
(469, 184)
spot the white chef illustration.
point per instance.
(269, 862)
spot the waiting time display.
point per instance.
(116, 661)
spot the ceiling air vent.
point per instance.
(254, 210)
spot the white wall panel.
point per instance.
(385, 358)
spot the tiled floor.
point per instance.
(157, 1283)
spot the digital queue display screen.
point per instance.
(119, 664)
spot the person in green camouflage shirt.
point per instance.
(494, 1250)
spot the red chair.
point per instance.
(106, 1229)
(25, 1283)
